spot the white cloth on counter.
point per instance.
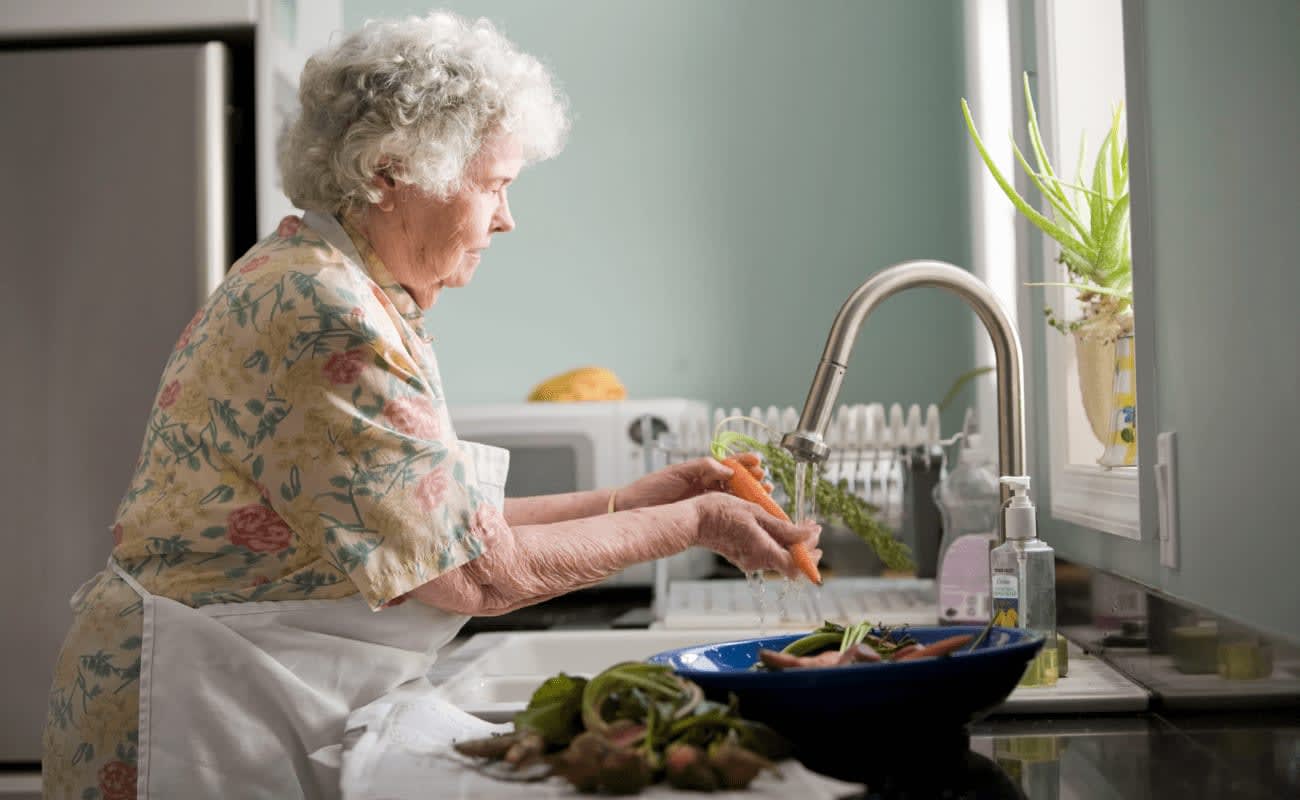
(400, 748)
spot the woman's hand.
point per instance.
(749, 537)
(683, 481)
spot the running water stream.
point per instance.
(789, 592)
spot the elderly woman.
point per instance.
(304, 530)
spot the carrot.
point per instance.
(745, 486)
(940, 648)
(905, 652)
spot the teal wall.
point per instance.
(1214, 106)
(735, 170)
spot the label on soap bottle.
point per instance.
(1006, 598)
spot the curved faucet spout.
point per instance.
(807, 442)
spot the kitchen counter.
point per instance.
(1148, 756)
(1201, 737)
(1252, 754)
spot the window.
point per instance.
(1080, 77)
(1076, 67)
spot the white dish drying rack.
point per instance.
(871, 446)
(878, 452)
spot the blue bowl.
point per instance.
(837, 716)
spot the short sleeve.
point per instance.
(359, 459)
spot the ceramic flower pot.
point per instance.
(1121, 439)
(1104, 355)
(1095, 358)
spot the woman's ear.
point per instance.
(387, 190)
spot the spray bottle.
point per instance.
(971, 503)
(1022, 574)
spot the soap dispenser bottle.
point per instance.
(1022, 575)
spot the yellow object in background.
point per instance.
(578, 385)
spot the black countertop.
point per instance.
(1148, 756)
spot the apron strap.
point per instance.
(126, 577)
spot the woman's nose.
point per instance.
(503, 222)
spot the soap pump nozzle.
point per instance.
(1020, 521)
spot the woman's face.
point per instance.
(430, 244)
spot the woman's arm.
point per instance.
(548, 508)
(666, 485)
(531, 563)
(526, 564)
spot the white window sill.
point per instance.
(1102, 499)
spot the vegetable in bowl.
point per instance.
(928, 701)
(834, 645)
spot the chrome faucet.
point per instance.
(807, 442)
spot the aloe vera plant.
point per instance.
(1090, 222)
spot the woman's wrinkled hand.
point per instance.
(749, 537)
(683, 481)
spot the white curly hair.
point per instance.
(413, 99)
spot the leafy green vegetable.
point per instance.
(554, 712)
(614, 733)
(832, 636)
(815, 642)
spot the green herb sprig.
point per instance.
(835, 503)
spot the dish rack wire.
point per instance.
(889, 456)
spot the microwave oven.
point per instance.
(581, 446)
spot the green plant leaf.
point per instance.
(1108, 257)
(1118, 155)
(1081, 189)
(1054, 196)
(959, 384)
(1085, 287)
(1044, 224)
(1035, 135)
(1040, 152)
(1100, 185)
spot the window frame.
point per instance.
(1099, 498)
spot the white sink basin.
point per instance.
(494, 674)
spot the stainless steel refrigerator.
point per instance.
(116, 219)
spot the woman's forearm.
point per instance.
(548, 508)
(526, 564)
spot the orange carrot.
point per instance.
(745, 486)
(942, 647)
(905, 652)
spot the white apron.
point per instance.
(234, 696)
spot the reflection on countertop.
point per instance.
(1149, 756)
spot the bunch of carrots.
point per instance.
(746, 486)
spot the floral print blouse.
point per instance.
(299, 448)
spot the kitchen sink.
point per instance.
(492, 675)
